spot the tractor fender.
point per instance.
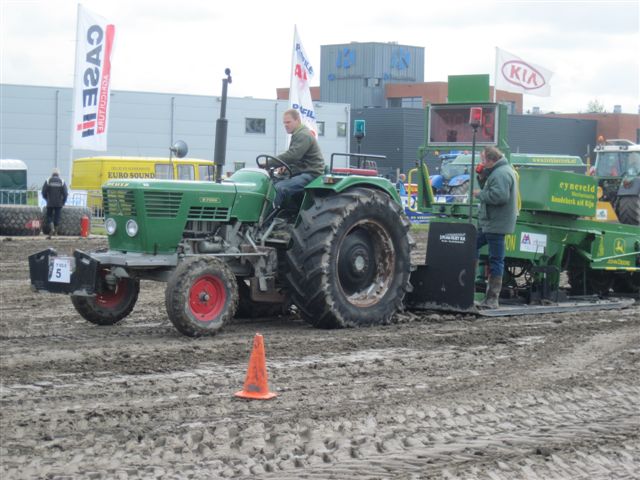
(459, 180)
(340, 184)
(632, 188)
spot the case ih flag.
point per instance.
(515, 75)
(299, 91)
(94, 45)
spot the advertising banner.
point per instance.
(94, 45)
(515, 75)
(299, 92)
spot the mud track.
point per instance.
(430, 396)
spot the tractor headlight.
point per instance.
(132, 228)
(110, 226)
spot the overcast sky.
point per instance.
(183, 46)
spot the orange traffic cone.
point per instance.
(255, 385)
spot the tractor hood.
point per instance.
(162, 208)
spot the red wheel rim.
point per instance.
(207, 298)
(112, 299)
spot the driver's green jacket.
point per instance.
(304, 155)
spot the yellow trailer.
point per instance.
(91, 173)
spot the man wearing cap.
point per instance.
(55, 192)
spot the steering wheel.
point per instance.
(271, 169)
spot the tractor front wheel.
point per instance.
(351, 259)
(110, 306)
(201, 295)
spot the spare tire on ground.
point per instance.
(20, 220)
(70, 220)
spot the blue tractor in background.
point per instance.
(452, 180)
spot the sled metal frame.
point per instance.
(510, 308)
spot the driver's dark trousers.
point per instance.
(291, 188)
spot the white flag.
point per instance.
(94, 44)
(299, 91)
(515, 75)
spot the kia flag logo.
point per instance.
(523, 75)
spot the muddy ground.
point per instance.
(431, 396)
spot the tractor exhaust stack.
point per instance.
(220, 149)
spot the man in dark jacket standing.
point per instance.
(496, 217)
(55, 192)
(303, 157)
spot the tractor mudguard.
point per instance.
(632, 188)
(459, 180)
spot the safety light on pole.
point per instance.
(359, 131)
(475, 120)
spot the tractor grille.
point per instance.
(119, 202)
(208, 213)
(162, 204)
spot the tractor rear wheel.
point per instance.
(350, 259)
(461, 192)
(201, 295)
(628, 210)
(110, 306)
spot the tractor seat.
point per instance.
(367, 172)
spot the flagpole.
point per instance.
(295, 30)
(291, 76)
(73, 96)
(495, 79)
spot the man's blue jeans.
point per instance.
(289, 188)
(496, 251)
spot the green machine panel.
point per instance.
(468, 88)
(559, 192)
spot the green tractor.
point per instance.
(341, 254)
(344, 258)
(617, 168)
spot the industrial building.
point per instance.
(381, 83)
(35, 125)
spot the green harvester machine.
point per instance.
(556, 232)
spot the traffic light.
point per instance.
(359, 128)
(475, 117)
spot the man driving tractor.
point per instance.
(303, 159)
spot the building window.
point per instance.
(511, 107)
(411, 102)
(320, 126)
(342, 129)
(371, 82)
(255, 125)
(394, 102)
